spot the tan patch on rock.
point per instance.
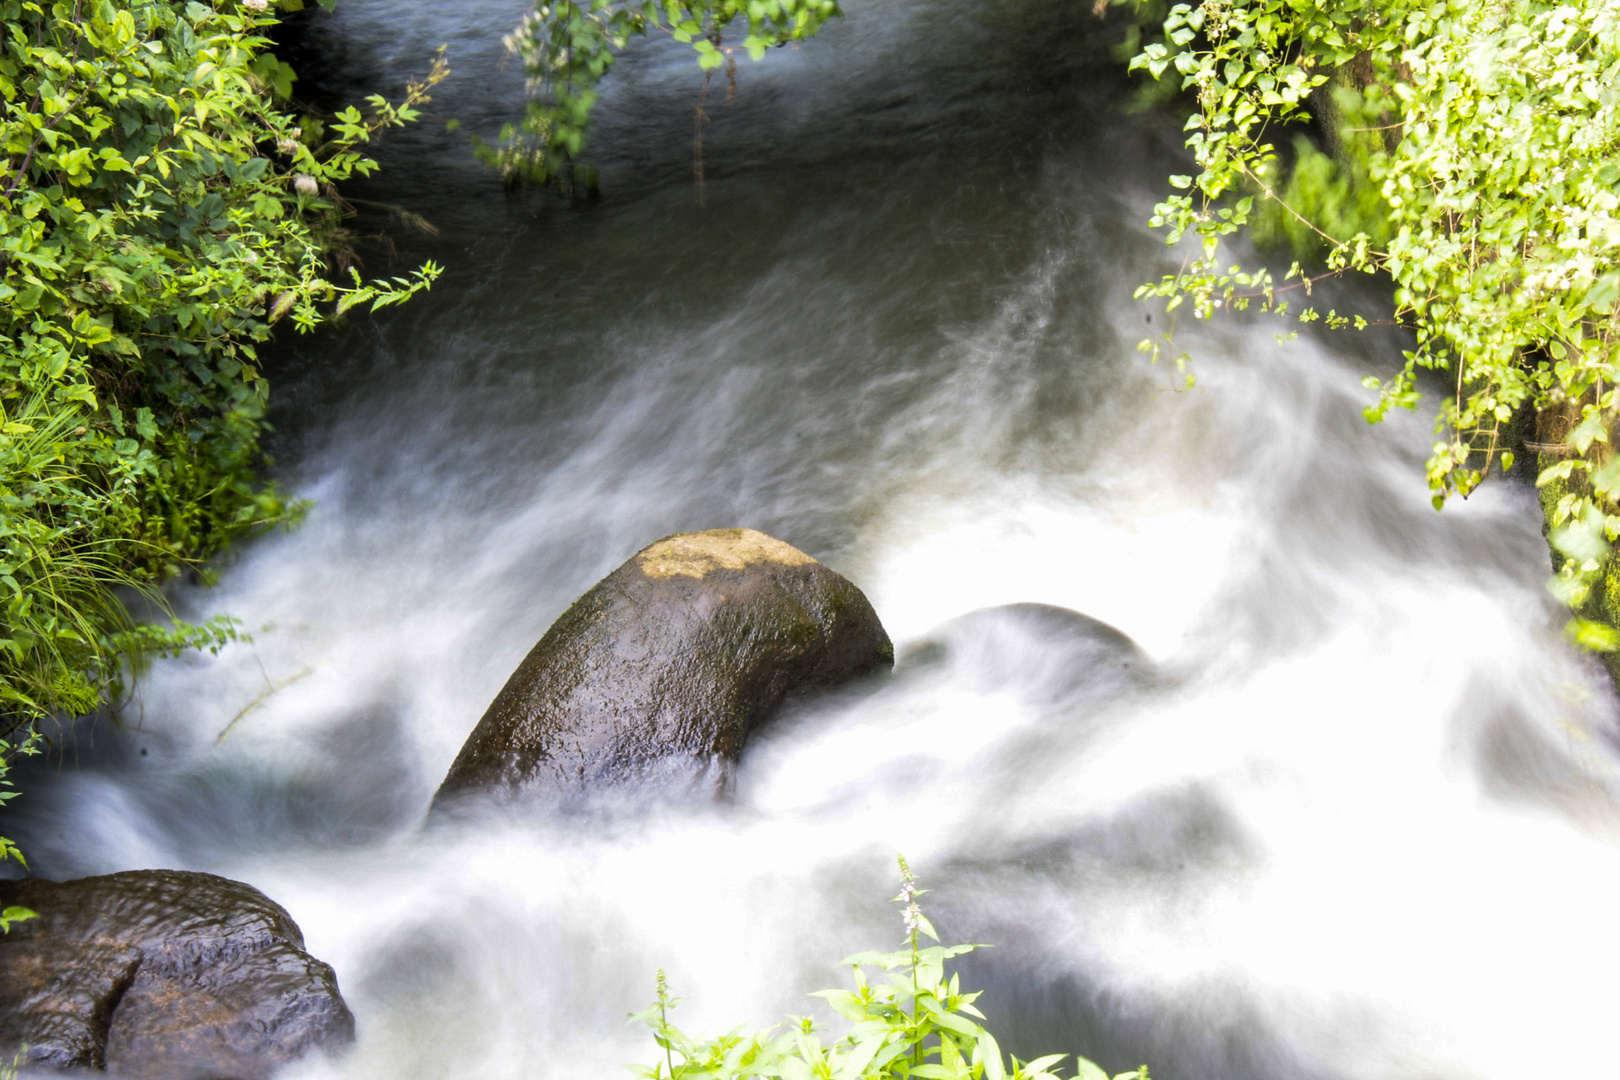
(697, 555)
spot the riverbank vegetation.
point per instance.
(160, 214)
(1488, 139)
(914, 1022)
(567, 46)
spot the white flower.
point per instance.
(305, 184)
(256, 5)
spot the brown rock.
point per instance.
(662, 669)
(162, 974)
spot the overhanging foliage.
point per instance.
(1497, 152)
(567, 46)
(158, 214)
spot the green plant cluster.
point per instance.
(567, 46)
(27, 745)
(14, 914)
(1320, 194)
(916, 1022)
(159, 213)
(1498, 157)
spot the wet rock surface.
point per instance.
(162, 974)
(1046, 652)
(661, 670)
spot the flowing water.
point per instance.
(1359, 823)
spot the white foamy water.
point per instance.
(1358, 823)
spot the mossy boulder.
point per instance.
(162, 974)
(657, 675)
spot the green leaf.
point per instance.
(843, 1003)
(947, 1020)
(1087, 1070)
(1556, 472)
(1593, 635)
(14, 914)
(854, 1064)
(1042, 1064)
(1582, 539)
(987, 1054)
(1601, 296)
(1592, 428)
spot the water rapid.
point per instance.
(1360, 822)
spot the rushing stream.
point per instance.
(1361, 822)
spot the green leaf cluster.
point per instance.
(567, 46)
(1321, 194)
(1496, 150)
(158, 215)
(9, 751)
(915, 1021)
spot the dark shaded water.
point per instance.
(1361, 824)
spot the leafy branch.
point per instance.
(568, 46)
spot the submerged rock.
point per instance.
(662, 669)
(162, 974)
(1045, 652)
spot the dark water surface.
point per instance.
(1360, 824)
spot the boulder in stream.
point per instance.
(1047, 653)
(660, 672)
(162, 974)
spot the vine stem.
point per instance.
(699, 117)
(1309, 224)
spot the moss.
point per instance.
(1549, 494)
(1603, 601)
(1604, 606)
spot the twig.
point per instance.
(698, 118)
(263, 696)
(1311, 225)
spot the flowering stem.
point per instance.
(663, 1022)
(913, 920)
(916, 1047)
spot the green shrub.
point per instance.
(158, 215)
(29, 744)
(914, 1022)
